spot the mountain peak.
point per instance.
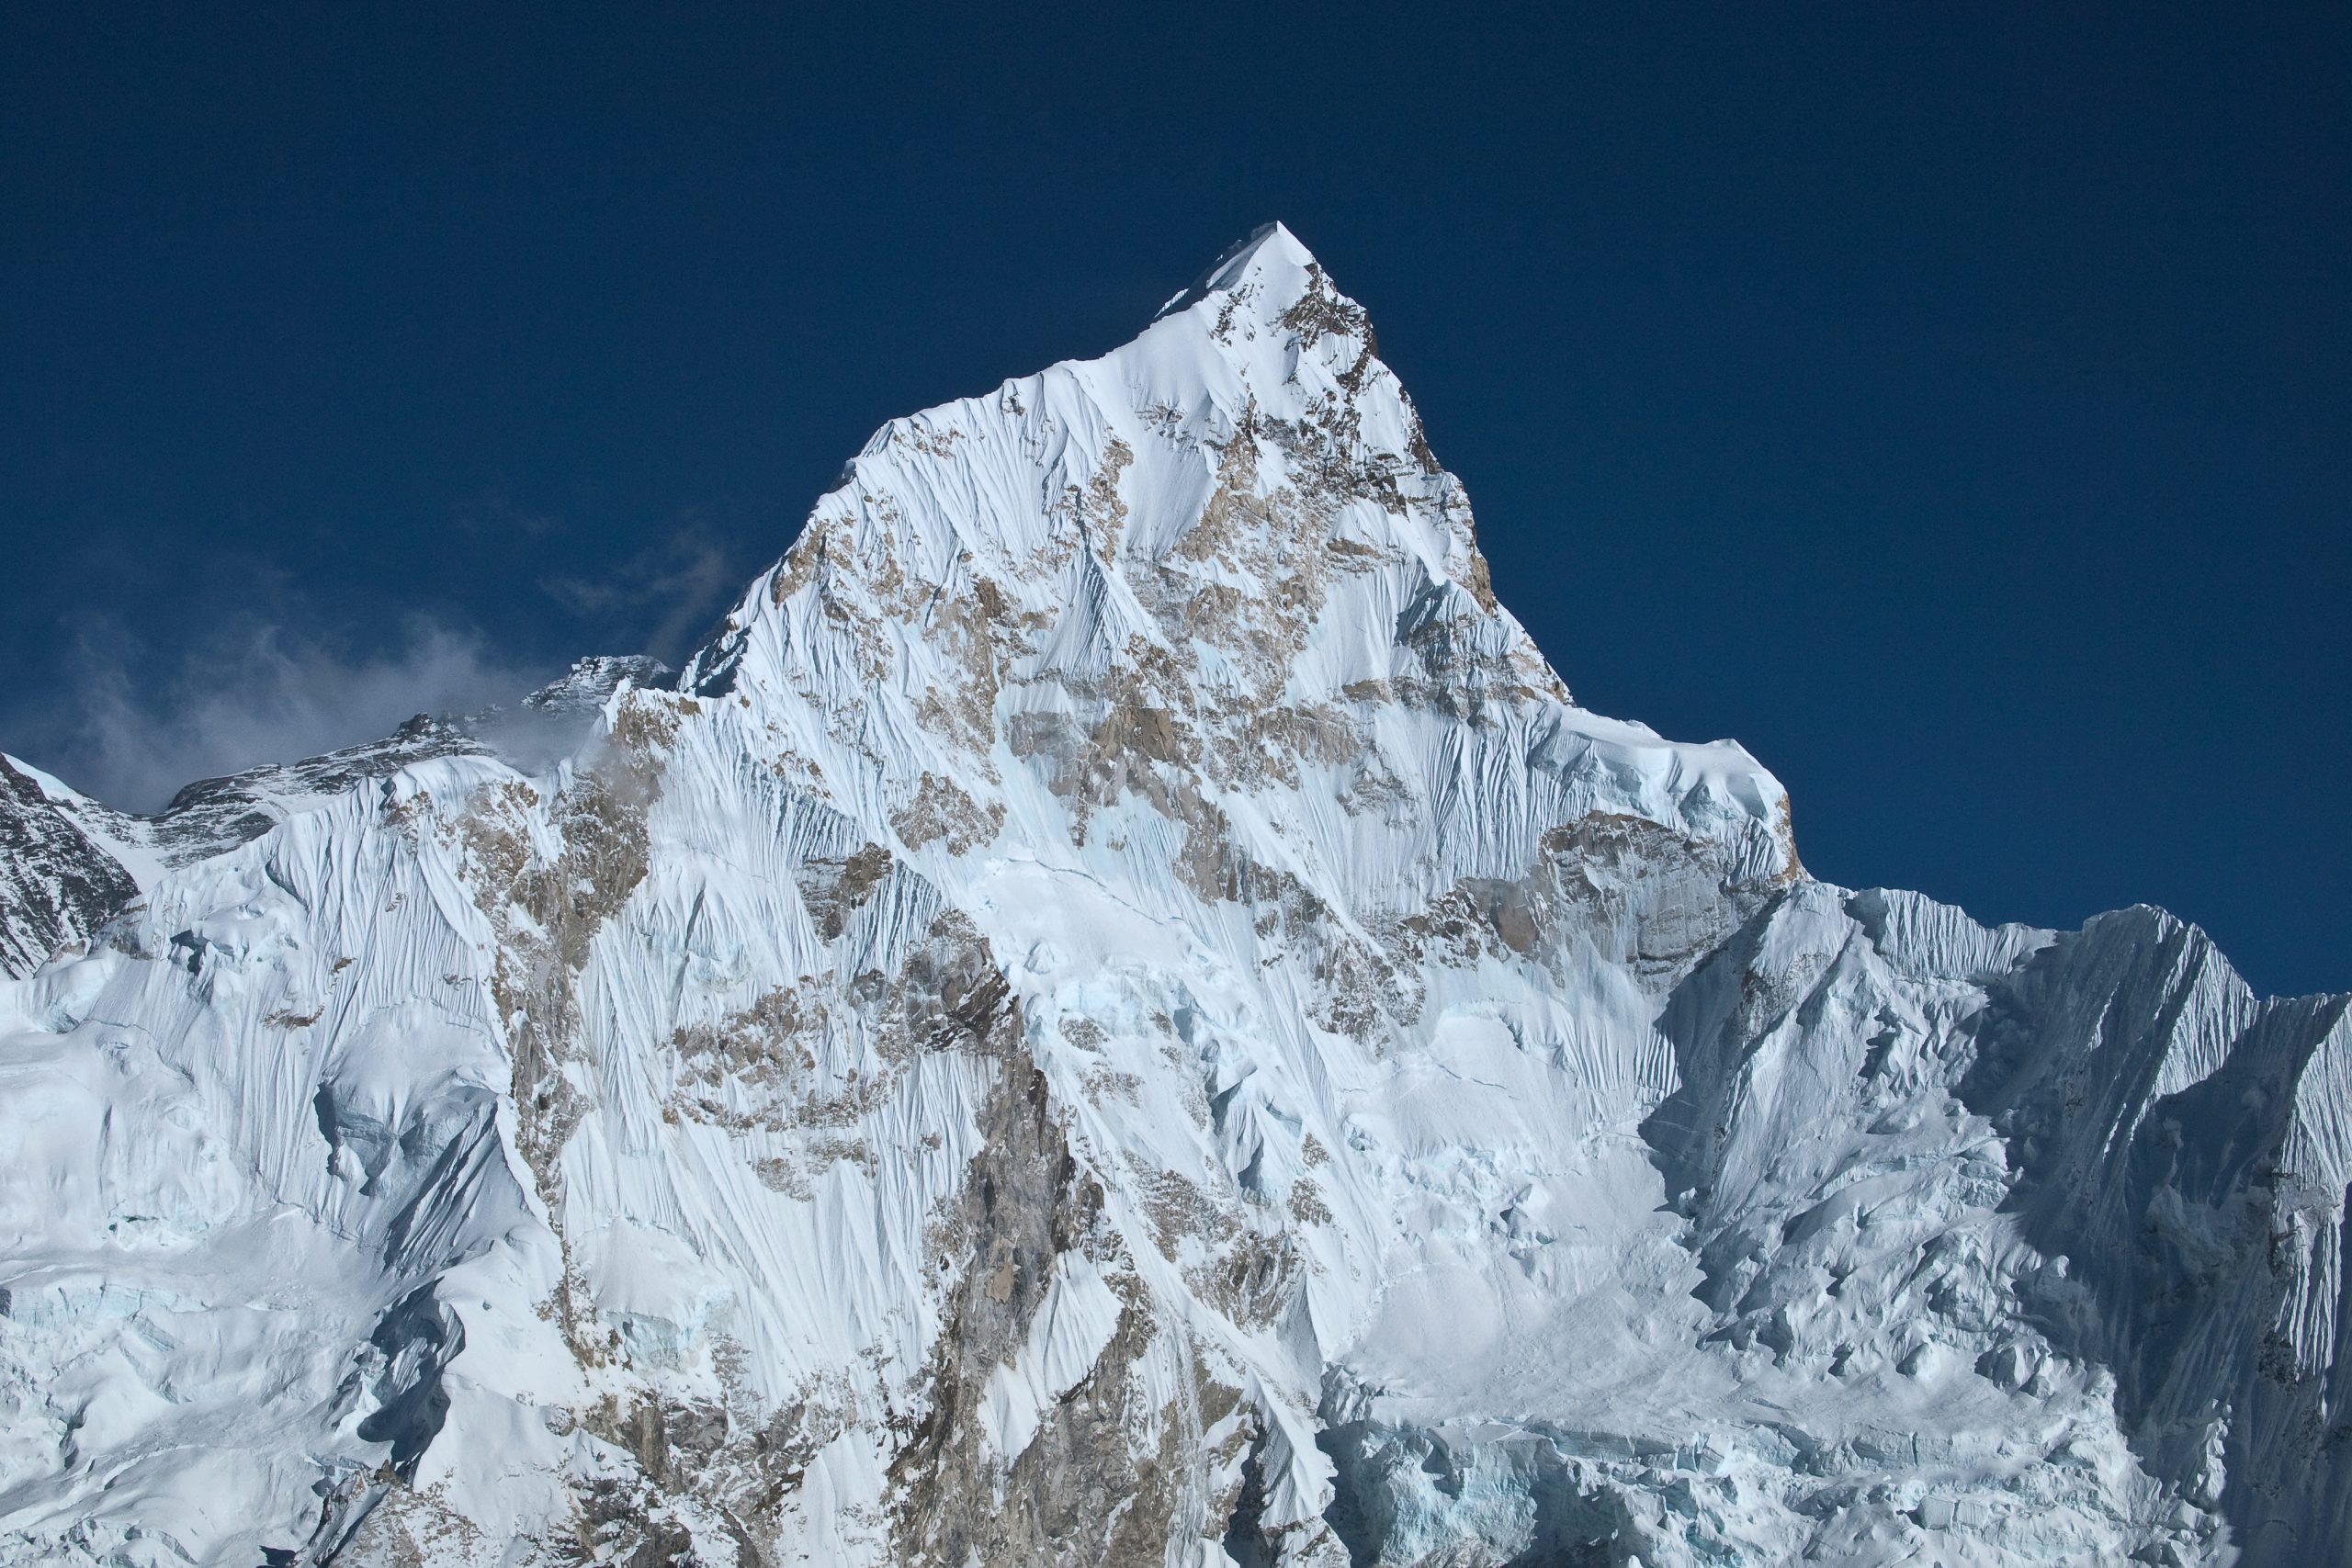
(1118, 1013)
(1217, 542)
(1270, 249)
(1250, 432)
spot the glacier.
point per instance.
(1116, 1012)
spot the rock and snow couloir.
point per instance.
(1117, 1013)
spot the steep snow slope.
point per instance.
(1118, 1013)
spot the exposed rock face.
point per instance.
(57, 886)
(1117, 1013)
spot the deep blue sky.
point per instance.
(1949, 402)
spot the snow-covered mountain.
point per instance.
(1117, 1012)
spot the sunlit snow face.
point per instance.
(1117, 993)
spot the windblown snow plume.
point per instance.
(1118, 1013)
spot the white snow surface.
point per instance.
(1119, 1012)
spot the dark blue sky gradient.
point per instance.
(1950, 403)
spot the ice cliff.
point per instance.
(1117, 1012)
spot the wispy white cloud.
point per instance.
(494, 511)
(281, 680)
(134, 727)
(664, 594)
